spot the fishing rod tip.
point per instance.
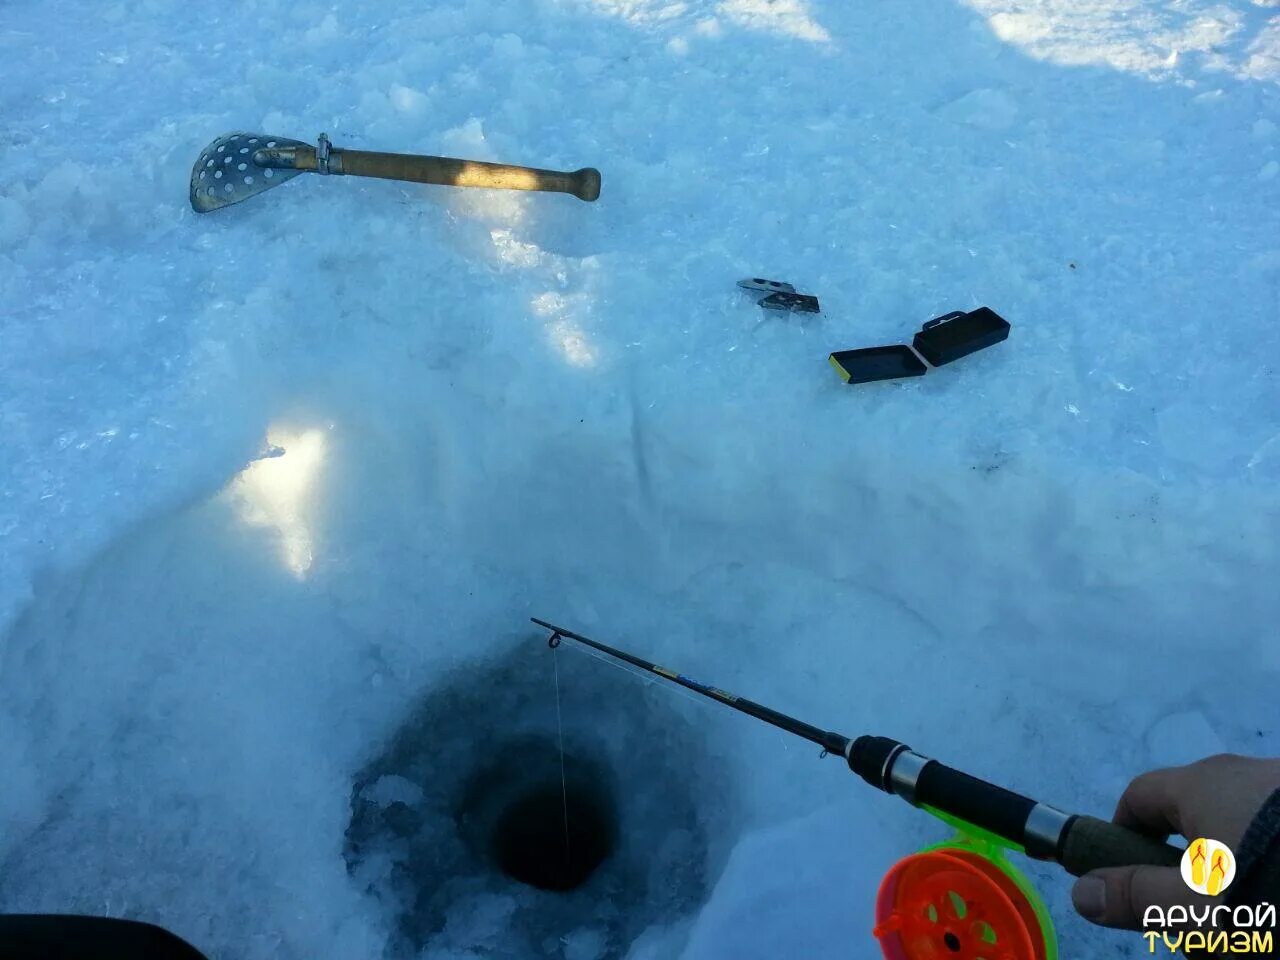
(556, 636)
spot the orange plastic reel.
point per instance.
(953, 904)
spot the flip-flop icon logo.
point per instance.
(1208, 866)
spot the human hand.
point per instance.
(1215, 798)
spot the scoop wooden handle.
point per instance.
(583, 184)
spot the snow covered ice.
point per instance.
(276, 479)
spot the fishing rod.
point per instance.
(911, 918)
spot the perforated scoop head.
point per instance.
(226, 174)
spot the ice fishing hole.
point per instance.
(464, 799)
(530, 842)
(268, 173)
(539, 817)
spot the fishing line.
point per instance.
(564, 790)
(644, 678)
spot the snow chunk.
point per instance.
(407, 100)
(14, 222)
(1124, 34)
(1264, 53)
(1181, 738)
(509, 47)
(771, 874)
(24, 800)
(467, 136)
(478, 921)
(789, 17)
(324, 31)
(585, 944)
(393, 788)
(1266, 459)
(986, 109)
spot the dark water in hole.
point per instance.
(534, 842)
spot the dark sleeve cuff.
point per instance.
(1258, 858)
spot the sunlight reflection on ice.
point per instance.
(277, 491)
(1131, 35)
(568, 337)
(788, 17)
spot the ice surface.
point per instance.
(1182, 738)
(1029, 563)
(795, 862)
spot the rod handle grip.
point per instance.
(882, 762)
(1090, 844)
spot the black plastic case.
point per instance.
(877, 363)
(959, 334)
